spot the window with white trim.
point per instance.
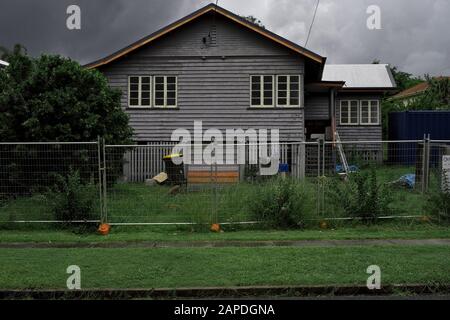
(261, 91)
(139, 91)
(288, 91)
(349, 112)
(370, 112)
(165, 91)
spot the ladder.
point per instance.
(341, 153)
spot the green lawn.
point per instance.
(148, 268)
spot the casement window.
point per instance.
(370, 112)
(165, 91)
(288, 91)
(262, 88)
(349, 112)
(139, 91)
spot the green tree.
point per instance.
(52, 98)
(254, 20)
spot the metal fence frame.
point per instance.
(315, 152)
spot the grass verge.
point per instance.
(190, 267)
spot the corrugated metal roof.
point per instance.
(4, 63)
(360, 75)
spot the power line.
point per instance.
(312, 22)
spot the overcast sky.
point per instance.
(414, 33)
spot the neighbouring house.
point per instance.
(409, 95)
(215, 66)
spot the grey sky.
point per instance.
(414, 33)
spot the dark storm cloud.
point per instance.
(106, 25)
(413, 34)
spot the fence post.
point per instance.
(105, 186)
(100, 182)
(427, 164)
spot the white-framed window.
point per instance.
(370, 112)
(288, 90)
(261, 90)
(349, 112)
(165, 91)
(139, 91)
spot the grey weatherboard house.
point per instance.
(217, 67)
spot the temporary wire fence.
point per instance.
(146, 184)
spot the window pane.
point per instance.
(282, 86)
(344, 111)
(256, 80)
(159, 87)
(159, 102)
(171, 80)
(170, 101)
(145, 95)
(282, 101)
(145, 87)
(159, 80)
(295, 79)
(256, 94)
(267, 94)
(268, 86)
(145, 102)
(267, 79)
(171, 94)
(282, 94)
(256, 101)
(145, 80)
(282, 79)
(354, 112)
(134, 102)
(293, 101)
(134, 80)
(134, 87)
(159, 94)
(267, 101)
(134, 94)
(293, 86)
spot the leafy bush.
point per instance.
(439, 201)
(280, 203)
(361, 196)
(73, 200)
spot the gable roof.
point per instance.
(360, 76)
(415, 90)
(196, 14)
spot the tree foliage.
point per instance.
(52, 98)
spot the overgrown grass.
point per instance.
(189, 267)
(135, 202)
(404, 229)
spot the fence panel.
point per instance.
(369, 179)
(29, 171)
(203, 193)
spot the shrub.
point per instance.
(71, 199)
(361, 196)
(280, 203)
(439, 201)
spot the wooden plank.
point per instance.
(230, 174)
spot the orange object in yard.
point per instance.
(104, 229)
(215, 227)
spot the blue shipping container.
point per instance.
(413, 125)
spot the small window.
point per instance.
(288, 91)
(262, 88)
(349, 112)
(165, 91)
(370, 112)
(139, 91)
